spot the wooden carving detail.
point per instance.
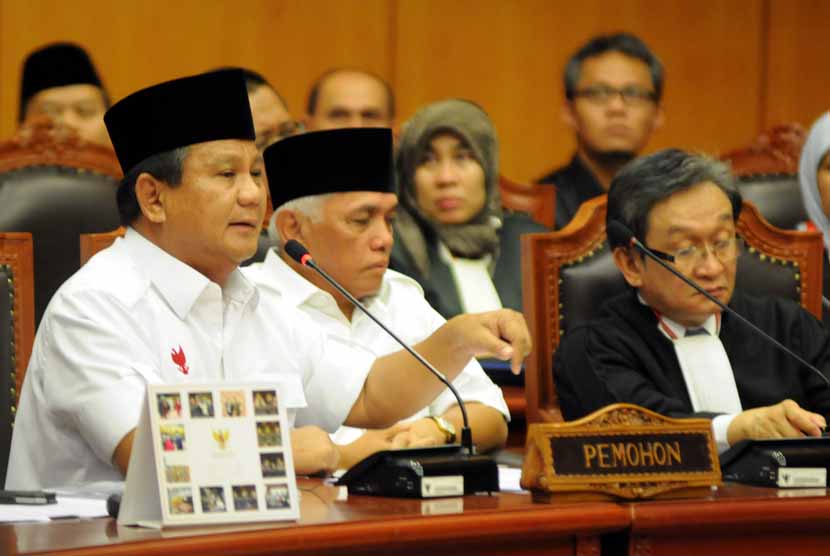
(633, 491)
(627, 416)
(776, 151)
(43, 143)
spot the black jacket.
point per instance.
(623, 357)
(575, 184)
(439, 287)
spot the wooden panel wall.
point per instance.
(732, 67)
(512, 62)
(135, 44)
(797, 83)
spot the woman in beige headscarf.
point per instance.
(814, 179)
(452, 234)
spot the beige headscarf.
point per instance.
(814, 151)
(414, 230)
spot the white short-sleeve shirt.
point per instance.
(112, 328)
(399, 304)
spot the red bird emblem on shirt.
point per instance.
(180, 360)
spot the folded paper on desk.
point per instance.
(66, 507)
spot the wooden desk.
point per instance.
(736, 520)
(500, 524)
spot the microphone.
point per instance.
(478, 471)
(619, 233)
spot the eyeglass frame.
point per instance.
(288, 128)
(630, 95)
(736, 242)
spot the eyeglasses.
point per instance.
(725, 250)
(602, 95)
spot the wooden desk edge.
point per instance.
(531, 523)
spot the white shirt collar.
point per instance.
(280, 277)
(711, 324)
(178, 283)
(296, 290)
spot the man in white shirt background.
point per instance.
(167, 304)
(334, 193)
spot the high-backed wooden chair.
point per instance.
(56, 186)
(17, 330)
(767, 174)
(567, 275)
(539, 201)
(774, 151)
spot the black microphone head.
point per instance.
(297, 251)
(618, 234)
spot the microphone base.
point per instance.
(422, 473)
(778, 463)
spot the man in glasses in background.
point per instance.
(664, 346)
(272, 121)
(613, 87)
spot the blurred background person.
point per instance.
(613, 88)
(272, 120)
(60, 82)
(814, 179)
(452, 235)
(347, 97)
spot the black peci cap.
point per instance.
(333, 161)
(56, 65)
(205, 107)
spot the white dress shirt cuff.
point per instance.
(720, 427)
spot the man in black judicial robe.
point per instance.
(685, 206)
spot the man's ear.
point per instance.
(569, 116)
(630, 264)
(149, 191)
(289, 225)
(306, 120)
(659, 118)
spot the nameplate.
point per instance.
(210, 453)
(621, 451)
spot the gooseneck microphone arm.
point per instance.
(622, 234)
(299, 253)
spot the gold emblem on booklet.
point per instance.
(221, 437)
(620, 451)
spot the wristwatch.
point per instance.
(446, 427)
